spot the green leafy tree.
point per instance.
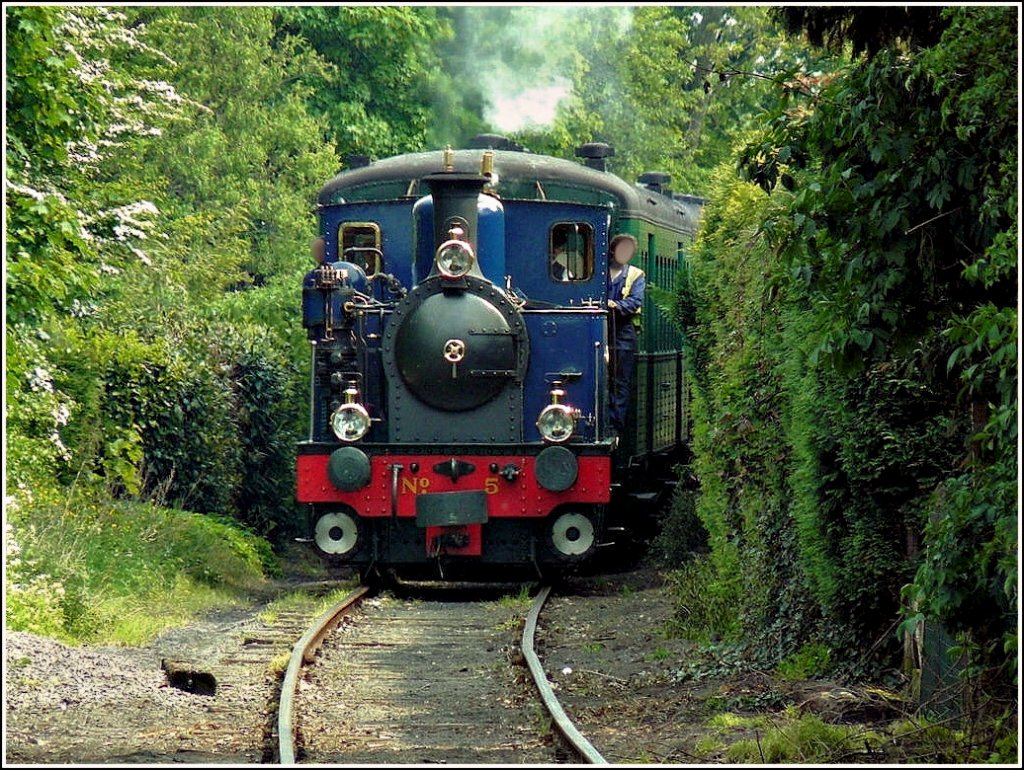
(375, 90)
(68, 110)
(671, 89)
(166, 209)
(238, 174)
(696, 77)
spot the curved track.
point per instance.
(302, 653)
(580, 745)
(415, 682)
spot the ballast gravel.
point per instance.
(114, 705)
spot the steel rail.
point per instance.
(303, 653)
(565, 726)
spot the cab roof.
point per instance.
(519, 176)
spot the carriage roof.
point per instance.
(520, 176)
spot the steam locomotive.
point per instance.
(458, 395)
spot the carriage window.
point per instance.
(360, 245)
(571, 251)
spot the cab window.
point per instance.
(571, 251)
(360, 244)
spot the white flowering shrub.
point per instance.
(139, 221)
(37, 413)
(33, 599)
(70, 108)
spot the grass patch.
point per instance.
(806, 740)
(87, 569)
(517, 604)
(789, 737)
(643, 758)
(133, 620)
(792, 737)
(325, 601)
(279, 664)
(513, 623)
(706, 610)
(809, 662)
(729, 721)
(659, 653)
(708, 745)
(517, 601)
(305, 603)
(296, 601)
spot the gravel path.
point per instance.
(404, 682)
(114, 705)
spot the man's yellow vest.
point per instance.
(633, 274)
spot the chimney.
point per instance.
(455, 200)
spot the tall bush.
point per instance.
(855, 333)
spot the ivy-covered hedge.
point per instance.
(853, 332)
(745, 370)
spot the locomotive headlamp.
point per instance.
(557, 421)
(350, 421)
(454, 258)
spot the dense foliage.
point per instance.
(388, 82)
(853, 331)
(850, 305)
(670, 88)
(162, 166)
(125, 235)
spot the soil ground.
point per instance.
(617, 673)
(604, 647)
(604, 650)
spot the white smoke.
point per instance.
(526, 71)
(531, 107)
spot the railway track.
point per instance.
(303, 653)
(416, 682)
